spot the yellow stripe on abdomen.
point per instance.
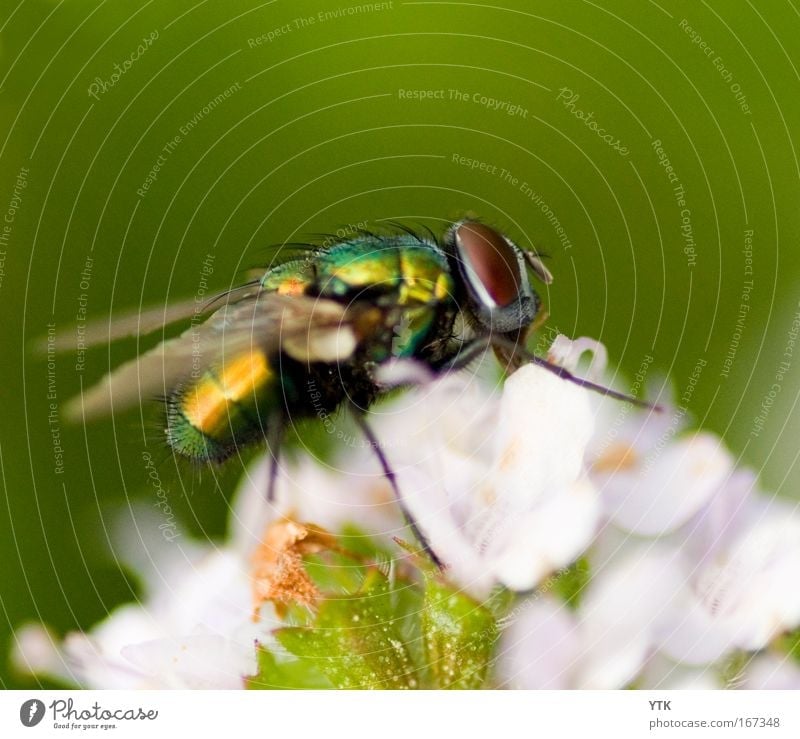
(221, 399)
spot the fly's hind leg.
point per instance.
(388, 473)
(274, 437)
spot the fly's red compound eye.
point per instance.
(489, 263)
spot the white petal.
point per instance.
(622, 427)
(544, 426)
(439, 440)
(771, 672)
(543, 512)
(250, 512)
(353, 490)
(538, 648)
(661, 492)
(143, 546)
(457, 412)
(567, 353)
(620, 614)
(128, 623)
(611, 657)
(732, 508)
(95, 668)
(746, 589)
(443, 530)
(200, 661)
(663, 674)
(397, 372)
(95, 659)
(548, 538)
(35, 651)
(688, 633)
(498, 479)
(215, 593)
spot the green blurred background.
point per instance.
(320, 127)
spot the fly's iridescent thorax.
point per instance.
(405, 276)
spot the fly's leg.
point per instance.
(518, 351)
(513, 353)
(274, 437)
(467, 354)
(388, 473)
(475, 347)
(538, 322)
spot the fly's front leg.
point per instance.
(467, 354)
(388, 473)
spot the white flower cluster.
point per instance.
(194, 627)
(690, 564)
(191, 630)
(691, 567)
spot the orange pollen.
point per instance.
(292, 286)
(617, 457)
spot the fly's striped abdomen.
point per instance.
(227, 406)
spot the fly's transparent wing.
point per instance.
(307, 329)
(143, 322)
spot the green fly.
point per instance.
(311, 335)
